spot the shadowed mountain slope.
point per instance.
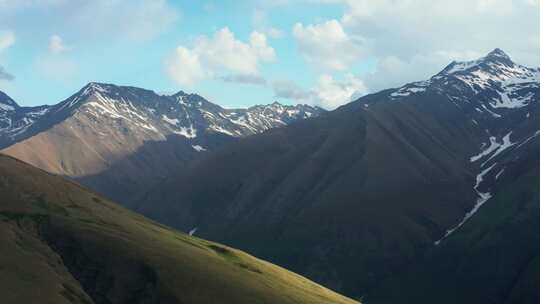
(353, 197)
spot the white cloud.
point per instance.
(412, 40)
(329, 92)
(7, 39)
(185, 67)
(56, 45)
(328, 44)
(135, 20)
(222, 53)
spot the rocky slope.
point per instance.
(354, 197)
(15, 120)
(119, 140)
(61, 243)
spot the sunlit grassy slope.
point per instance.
(60, 243)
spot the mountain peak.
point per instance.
(6, 103)
(497, 54)
(98, 86)
(492, 60)
(179, 93)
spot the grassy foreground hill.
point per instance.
(60, 243)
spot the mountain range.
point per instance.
(118, 140)
(423, 192)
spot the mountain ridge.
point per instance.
(116, 139)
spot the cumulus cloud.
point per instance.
(221, 53)
(4, 75)
(412, 40)
(329, 92)
(56, 45)
(7, 39)
(328, 44)
(185, 67)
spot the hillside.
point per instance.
(64, 244)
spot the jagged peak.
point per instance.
(179, 93)
(495, 58)
(103, 87)
(99, 86)
(497, 54)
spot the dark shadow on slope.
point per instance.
(128, 178)
(347, 199)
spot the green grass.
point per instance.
(64, 244)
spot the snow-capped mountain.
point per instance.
(132, 134)
(502, 100)
(160, 116)
(14, 119)
(493, 84)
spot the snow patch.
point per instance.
(413, 88)
(505, 101)
(6, 107)
(494, 147)
(198, 148)
(168, 120)
(499, 174)
(187, 132)
(481, 200)
(219, 129)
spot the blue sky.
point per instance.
(240, 53)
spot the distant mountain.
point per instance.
(15, 120)
(367, 197)
(61, 243)
(119, 140)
